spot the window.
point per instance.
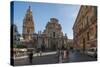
(87, 21)
(95, 11)
(29, 19)
(28, 31)
(53, 34)
(84, 23)
(87, 35)
(96, 31)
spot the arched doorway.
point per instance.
(84, 45)
(53, 44)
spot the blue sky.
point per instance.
(42, 12)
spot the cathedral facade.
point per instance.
(51, 38)
(28, 25)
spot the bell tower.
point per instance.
(28, 25)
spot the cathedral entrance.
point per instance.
(53, 44)
(35, 43)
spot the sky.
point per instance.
(42, 12)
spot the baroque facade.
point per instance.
(52, 37)
(85, 28)
(28, 25)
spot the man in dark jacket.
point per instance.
(30, 57)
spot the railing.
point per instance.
(18, 54)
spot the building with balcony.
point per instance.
(85, 28)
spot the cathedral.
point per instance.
(51, 38)
(28, 25)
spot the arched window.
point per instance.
(88, 36)
(53, 34)
(28, 30)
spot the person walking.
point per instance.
(67, 52)
(41, 50)
(62, 51)
(58, 54)
(37, 51)
(61, 56)
(30, 57)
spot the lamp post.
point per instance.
(37, 41)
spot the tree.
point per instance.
(14, 45)
(21, 46)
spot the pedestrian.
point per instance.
(42, 47)
(62, 51)
(40, 53)
(67, 53)
(61, 56)
(58, 53)
(38, 50)
(30, 57)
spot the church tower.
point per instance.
(28, 25)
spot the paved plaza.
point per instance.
(51, 58)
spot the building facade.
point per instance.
(51, 38)
(55, 36)
(28, 25)
(85, 28)
(16, 35)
